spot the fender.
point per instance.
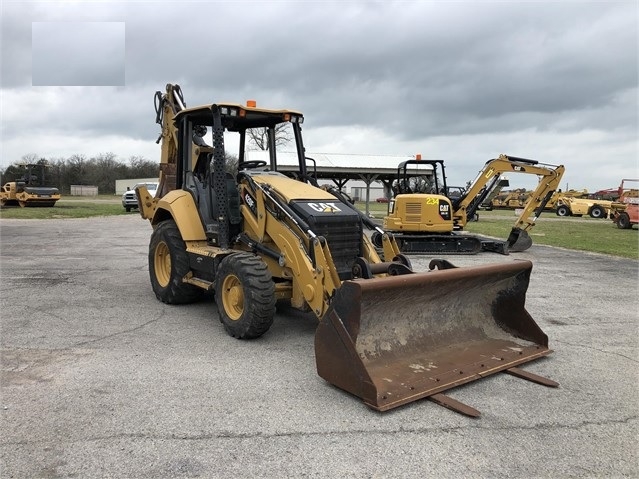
(180, 206)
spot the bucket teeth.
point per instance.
(454, 405)
(520, 373)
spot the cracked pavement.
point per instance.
(99, 379)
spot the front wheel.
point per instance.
(623, 222)
(563, 210)
(376, 239)
(597, 212)
(168, 264)
(245, 296)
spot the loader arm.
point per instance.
(274, 226)
(488, 179)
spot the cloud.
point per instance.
(464, 81)
(78, 53)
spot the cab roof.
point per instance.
(246, 116)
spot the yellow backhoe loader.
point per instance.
(253, 237)
(432, 223)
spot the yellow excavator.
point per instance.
(433, 222)
(254, 236)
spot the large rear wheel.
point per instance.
(623, 222)
(245, 296)
(168, 264)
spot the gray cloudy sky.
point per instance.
(458, 81)
(77, 53)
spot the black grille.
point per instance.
(344, 241)
(340, 226)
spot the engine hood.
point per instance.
(291, 189)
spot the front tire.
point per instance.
(563, 210)
(168, 264)
(597, 212)
(245, 296)
(376, 239)
(623, 222)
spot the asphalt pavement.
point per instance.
(99, 379)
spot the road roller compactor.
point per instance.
(253, 236)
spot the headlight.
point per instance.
(225, 110)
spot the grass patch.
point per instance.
(583, 234)
(66, 208)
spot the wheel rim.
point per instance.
(233, 297)
(162, 264)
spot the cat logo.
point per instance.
(251, 203)
(324, 207)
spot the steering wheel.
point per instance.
(251, 164)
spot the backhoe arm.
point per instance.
(548, 184)
(167, 105)
(487, 180)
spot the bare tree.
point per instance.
(259, 136)
(231, 162)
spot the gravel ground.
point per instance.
(99, 379)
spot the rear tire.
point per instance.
(245, 296)
(623, 222)
(168, 264)
(563, 210)
(597, 212)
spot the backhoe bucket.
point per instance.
(519, 240)
(394, 340)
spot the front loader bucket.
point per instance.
(394, 340)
